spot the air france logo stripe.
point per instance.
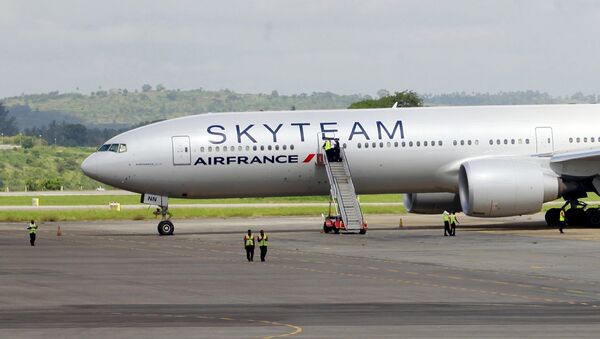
(309, 158)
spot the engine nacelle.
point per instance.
(432, 203)
(502, 187)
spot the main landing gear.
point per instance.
(165, 226)
(577, 215)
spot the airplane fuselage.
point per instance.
(396, 150)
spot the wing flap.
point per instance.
(584, 163)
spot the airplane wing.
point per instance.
(579, 163)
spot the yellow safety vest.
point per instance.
(32, 228)
(263, 241)
(561, 217)
(452, 219)
(327, 146)
(249, 240)
(446, 217)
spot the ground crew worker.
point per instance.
(453, 222)
(249, 245)
(561, 220)
(328, 150)
(446, 218)
(336, 151)
(32, 232)
(263, 242)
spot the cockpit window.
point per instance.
(122, 148)
(103, 148)
(114, 148)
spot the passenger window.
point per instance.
(103, 148)
(571, 140)
(520, 141)
(592, 139)
(497, 141)
(395, 144)
(247, 148)
(506, 141)
(270, 148)
(292, 147)
(359, 145)
(381, 145)
(374, 144)
(277, 147)
(578, 140)
(114, 148)
(469, 142)
(389, 144)
(284, 147)
(491, 142)
(585, 139)
(210, 148)
(477, 142)
(512, 141)
(344, 146)
(122, 148)
(454, 143)
(262, 147)
(410, 144)
(366, 145)
(239, 148)
(462, 142)
(202, 149)
(418, 144)
(224, 148)
(217, 149)
(440, 143)
(432, 142)
(254, 148)
(527, 141)
(425, 143)
(404, 144)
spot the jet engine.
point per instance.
(432, 203)
(502, 187)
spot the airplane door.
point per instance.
(182, 154)
(544, 140)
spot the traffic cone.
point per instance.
(58, 232)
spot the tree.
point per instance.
(160, 87)
(146, 88)
(8, 126)
(383, 93)
(404, 99)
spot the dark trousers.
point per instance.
(32, 239)
(447, 228)
(263, 252)
(561, 225)
(329, 154)
(452, 229)
(250, 253)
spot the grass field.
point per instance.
(135, 199)
(180, 213)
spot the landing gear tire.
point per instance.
(336, 230)
(593, 216)
(552, 217)
(576, 217)
(326, 228)
(362, 231)
(165, 227)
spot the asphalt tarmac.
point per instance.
(510, 277)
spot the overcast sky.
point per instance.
(300, 46)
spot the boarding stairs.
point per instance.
(343, 193)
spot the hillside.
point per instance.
(44, 168)
(120, 108)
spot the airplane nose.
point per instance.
(89, 166)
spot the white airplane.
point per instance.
(486, 161)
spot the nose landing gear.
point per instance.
(165, 226)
